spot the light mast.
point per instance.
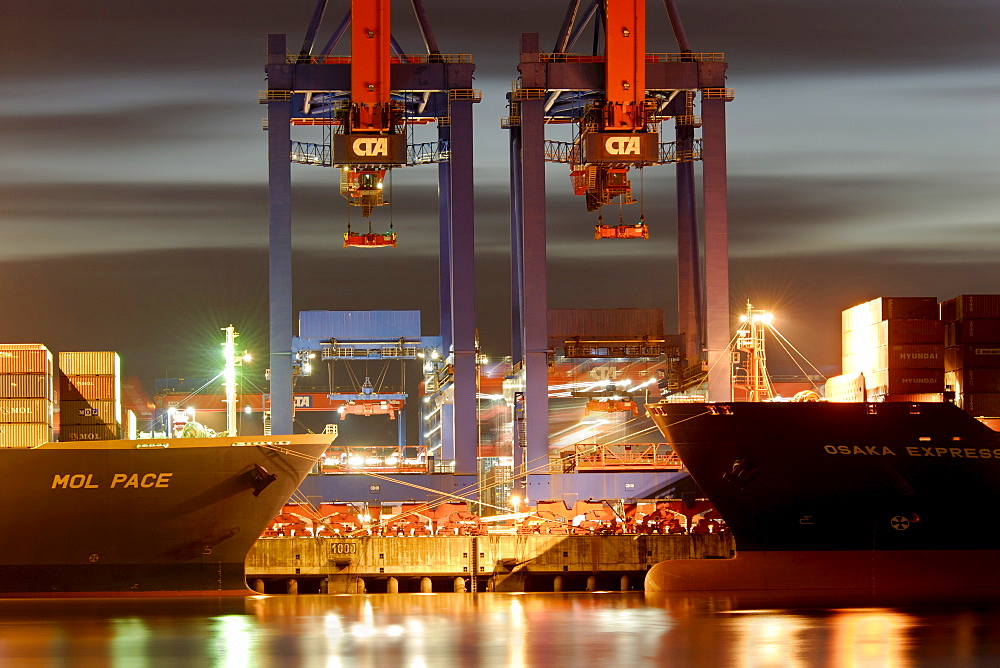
(229, 375)
(750, 340)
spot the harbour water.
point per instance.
(496, 629)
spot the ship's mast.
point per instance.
(750, 341)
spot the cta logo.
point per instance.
(617, 148)
(371, 146)
(366, 149)
(622, 146)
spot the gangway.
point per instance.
(593, 457)
(375, 459)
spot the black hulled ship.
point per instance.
(834, 495)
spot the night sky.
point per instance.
(864, 159)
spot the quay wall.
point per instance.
(498, 562)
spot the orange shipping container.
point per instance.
(972, 356)
(78, 388)
(985, 404)
(894, 333)
(26, 435)
(26, 386)
(972, 331)
(890, 308)
(25, 358)
(970, 307)
(973, 380)
(88, 363)
(89, 412)
(914, 356)
(26, 410)
(909, 398)
(94, 432)
(904, 381)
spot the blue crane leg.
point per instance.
(516, 247)
(279, 246)
(536, 399)
(463, 294)
(716, 248)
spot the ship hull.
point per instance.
(841, 495)
(909, 571)
(132, 517)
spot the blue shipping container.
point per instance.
(359, 325)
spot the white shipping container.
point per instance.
(25, 358)
(846, 388)
(89, 412)
(129, 425)
(27, 435)
(90, 363)
(26, 386)
(91, 432)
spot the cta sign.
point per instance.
(606, 147)
(365, 149)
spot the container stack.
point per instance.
(90, 396)
(26, 395)
(897, 343)
(972, 352)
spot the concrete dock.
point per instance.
(470, 563)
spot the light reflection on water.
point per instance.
(493, 629)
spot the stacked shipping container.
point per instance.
(90, 397)
(972, 352)
(897, 343)
(26, 395)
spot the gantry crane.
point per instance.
(364, 103)
(617, 100)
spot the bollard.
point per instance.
(625, 584)
(557, 583)
(392, 586)
(258, 586)
(292, 586)
(360, 586)
(459, 587)
(425, 585)
(592, 583)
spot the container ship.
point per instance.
(101, 512)
(162, 516)
(891, 490)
